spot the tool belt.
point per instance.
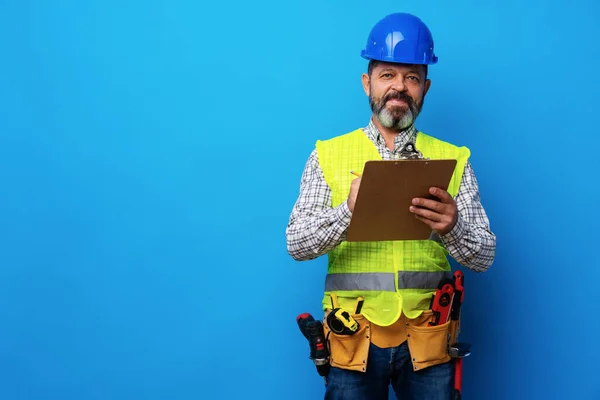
(428, 345)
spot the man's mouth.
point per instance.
(396, 102)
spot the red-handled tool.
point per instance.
(442, 304)
(459, 294)
(458, 351)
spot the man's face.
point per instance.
(396, 93)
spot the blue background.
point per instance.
(151, 152)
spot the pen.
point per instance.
(354, 173)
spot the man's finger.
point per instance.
(430, 204)
(441, 194)
(425, 213)
(425, 220)
(432, 224)
(435, 226)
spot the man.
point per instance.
(394, 344)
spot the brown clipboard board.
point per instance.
(386, 190)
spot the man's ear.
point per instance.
(365, 83)
(427, 85)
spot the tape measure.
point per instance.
(341, 322)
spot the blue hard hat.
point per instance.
(400, 38)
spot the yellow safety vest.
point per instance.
(392, 276)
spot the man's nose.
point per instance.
(398, 84)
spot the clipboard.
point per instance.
(385, 194)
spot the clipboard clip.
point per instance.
(410, 152)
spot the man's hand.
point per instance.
(440, 216)
(353, 192)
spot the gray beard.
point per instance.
(386, 119)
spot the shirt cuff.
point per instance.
(456, 233)
(343, 214)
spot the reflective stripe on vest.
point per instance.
(384, 281)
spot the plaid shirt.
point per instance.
(315, 227)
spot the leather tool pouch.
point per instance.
(350, 352)
(428, 345)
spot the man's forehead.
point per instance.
(399, 66)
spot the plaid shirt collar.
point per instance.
(403, 137)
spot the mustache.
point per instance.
(399, 96)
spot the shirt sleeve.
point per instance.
(471, 242)
(315, 227)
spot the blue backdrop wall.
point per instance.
(151, 151)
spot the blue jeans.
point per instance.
(391, 366)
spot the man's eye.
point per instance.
(387, 76)
(413, 78)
